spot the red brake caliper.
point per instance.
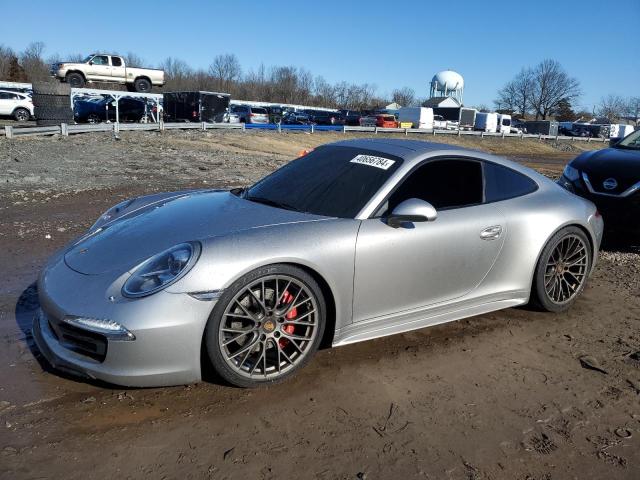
(288, 298)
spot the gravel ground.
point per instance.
(498, 396)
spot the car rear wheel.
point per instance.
(266, 326)
(93, 118)
(562, 270)
(142, 85)
(21, 114)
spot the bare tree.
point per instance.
(551, 84)
(226, 70)
(517, 94)
(133, 60)
(6, 57)
(506, 99)
(177, 74)
(632, 109)
(324, 93)
(404, 96)
(31, 60)
(612, 107)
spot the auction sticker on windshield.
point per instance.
(372, 161)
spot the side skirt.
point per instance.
(426, 317)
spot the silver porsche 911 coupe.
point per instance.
(355, 240)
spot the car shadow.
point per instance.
(25, 310)
(620, 242)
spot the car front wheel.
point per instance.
(266, 326)
(75, 80)
(562, 270)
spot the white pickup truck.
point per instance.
(99, 67)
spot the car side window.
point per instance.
(502, 183)
(100, 60)
(4, 96)
(116, 61)
(445, 184)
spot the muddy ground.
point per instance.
(496, 396)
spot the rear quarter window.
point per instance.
(502, 183)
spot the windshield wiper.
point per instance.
(272, 203)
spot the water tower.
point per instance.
(447, 84)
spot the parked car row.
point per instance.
(16, 104)
(102, 109)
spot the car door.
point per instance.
(99, 68)
(425, 263)
(117, 67)
(7, 103)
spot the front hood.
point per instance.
(157, 225)
(610, 161)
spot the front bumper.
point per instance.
(619, 213)
(168, 330)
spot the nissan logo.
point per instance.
(610, 183)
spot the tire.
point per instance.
(142, 85)
(51, 88)
(21, 114)
(45, 100)
(562, 270)
(53, 113)
(75, 80)
(271, 353)
(93, 118)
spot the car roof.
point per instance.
(405, 149)
(415, 151)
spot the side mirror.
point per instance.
(412, 210)
(90, 62)
(614, 141)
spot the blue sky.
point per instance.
(388, 43)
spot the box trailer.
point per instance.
(542, 127)
(451, 114)
(467, 118)
(195, 106)
(619, 130)
(486, 122)
(420, 117)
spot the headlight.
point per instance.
(111, 213)
(571, 173)
(161, 270)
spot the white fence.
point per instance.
(66, 130)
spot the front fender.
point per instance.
(327, 247)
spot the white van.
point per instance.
(420, 117)
(504, 123)
(486, 122)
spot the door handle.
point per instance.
(491, 233)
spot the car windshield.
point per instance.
(330, 181)
(632, 141)
(86, 59)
